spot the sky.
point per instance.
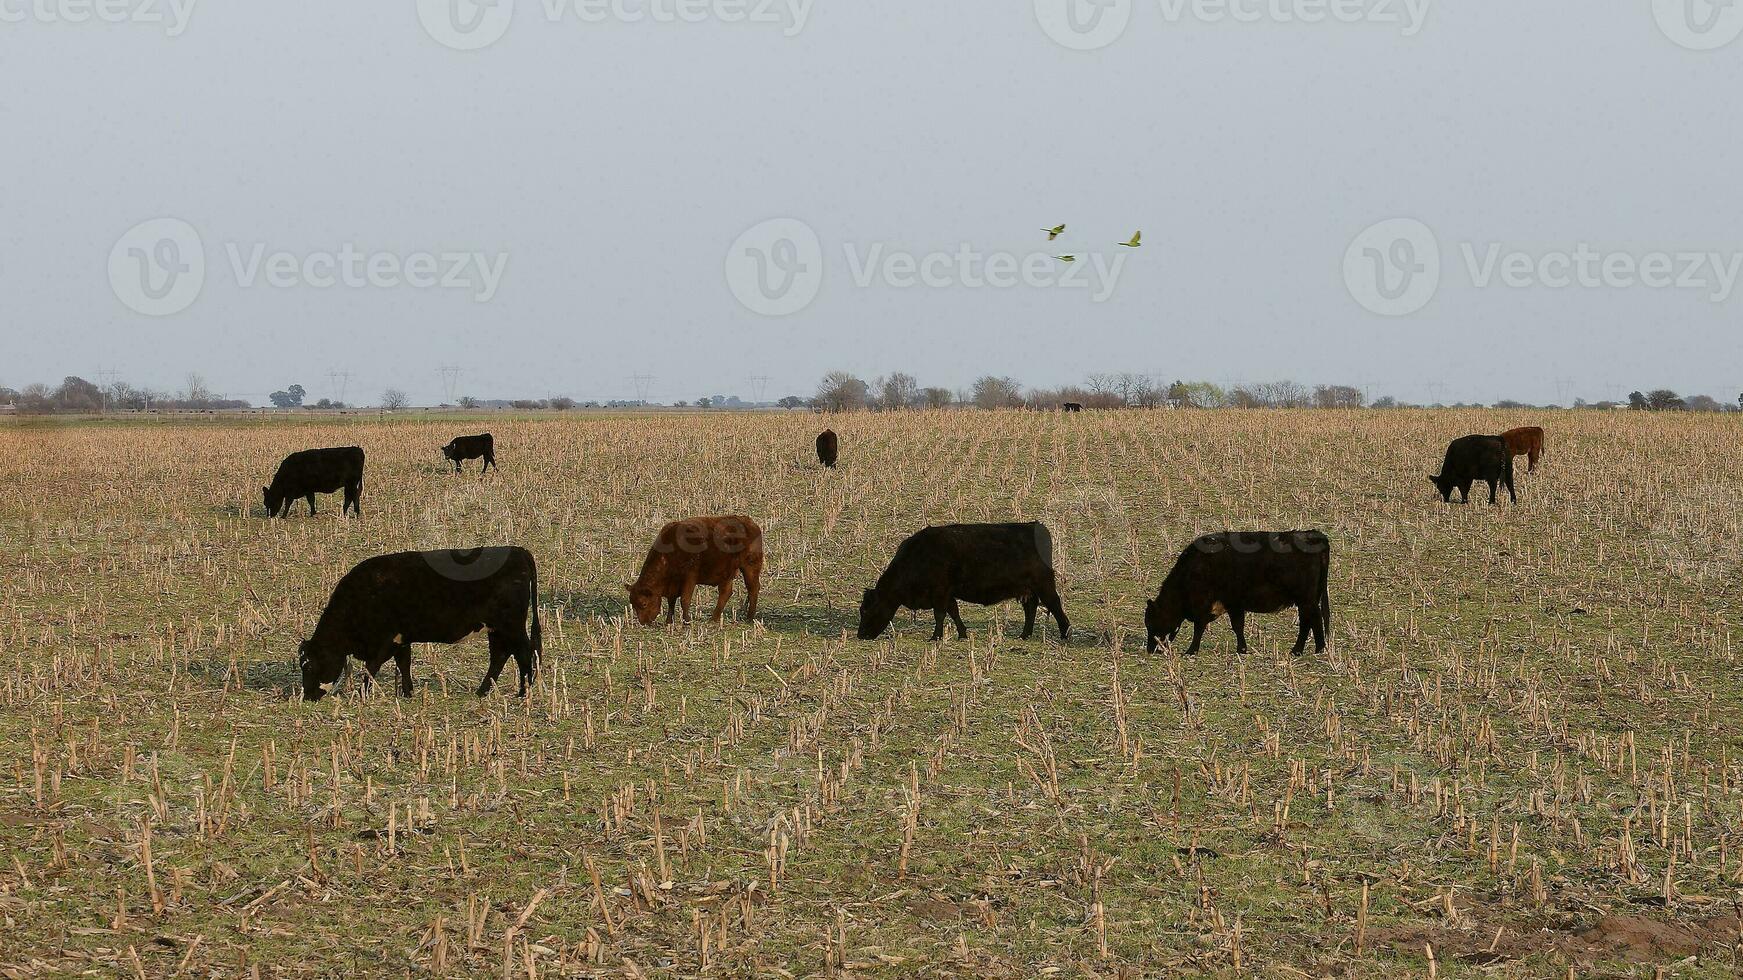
(1430, 200)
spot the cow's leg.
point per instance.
(1238, 619)
(372, 667)
(1309, 614)
(402, 658)
(1050, 599)
(753, 583)
(523, 659)
(1507, 478)
(498, 656)
(720, 602)
(1197, 634)
(311, 500)
(354, 497)
(671, 608)
(1465, 492)
(1321, 613)
(686, 596)
(1492, 485)
(956, 617)
(1029, 606)
(938, 615)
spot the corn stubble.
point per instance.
(1524, 729)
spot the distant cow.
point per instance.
(387, 603)
(1472, 458)
(471, 447)
(980, 563)
(1241, 572)
(827, 447)
(1071, 406)
(699, 551)
(304, 474)
(1527, 441)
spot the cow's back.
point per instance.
(980, 563)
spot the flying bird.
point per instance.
(1135, 242)
(1054, 232)
(1066, 258)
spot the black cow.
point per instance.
(1241, 572)
(828, 447)
(1071, 406)
(387, 603)
(304, 474)
(980, 563)
(471, 447)
(1472, 458)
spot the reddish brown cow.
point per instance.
(1527, 441)
(699, 551)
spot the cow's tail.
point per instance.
(538, 634)
(1325, 595)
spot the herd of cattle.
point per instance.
(386, 603)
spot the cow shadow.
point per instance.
(587, 605)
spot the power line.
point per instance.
(337, 381)
(758, 384)
(450, 381)
(643, 384)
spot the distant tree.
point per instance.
(394, 399)
(936, 397)
(840, 391)
(1385, 401)
(196, 393)
(896, 392)
(991, 392)
(291, 397)
(467, 401)
(1337, 396)
(1704, 403)
(1242, 397)
(1665, 400)
(77, 395)
(562, 403)
(1637, 401)
(791, 402)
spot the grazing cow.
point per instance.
(828, 446)
(1241, 572)
(471, 447)
(387, 603)
(304, 474)
(1472, 458)
(1527, 441)
(980, 563)
(1071, 406)
(699, 551)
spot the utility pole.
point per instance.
(338, 381)
(450, 381)
(758, 383)
(643, 384)
(108, 376)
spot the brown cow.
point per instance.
(699, 551)
(1527, 441)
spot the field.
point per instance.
(1519, 757)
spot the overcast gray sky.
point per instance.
(610, 167)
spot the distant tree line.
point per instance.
(75, 395)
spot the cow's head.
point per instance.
(272, 500)
(448, 451)
(875, 613)
(319, 672)
(644, 601)
(1162, 618)
(1444, 485)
